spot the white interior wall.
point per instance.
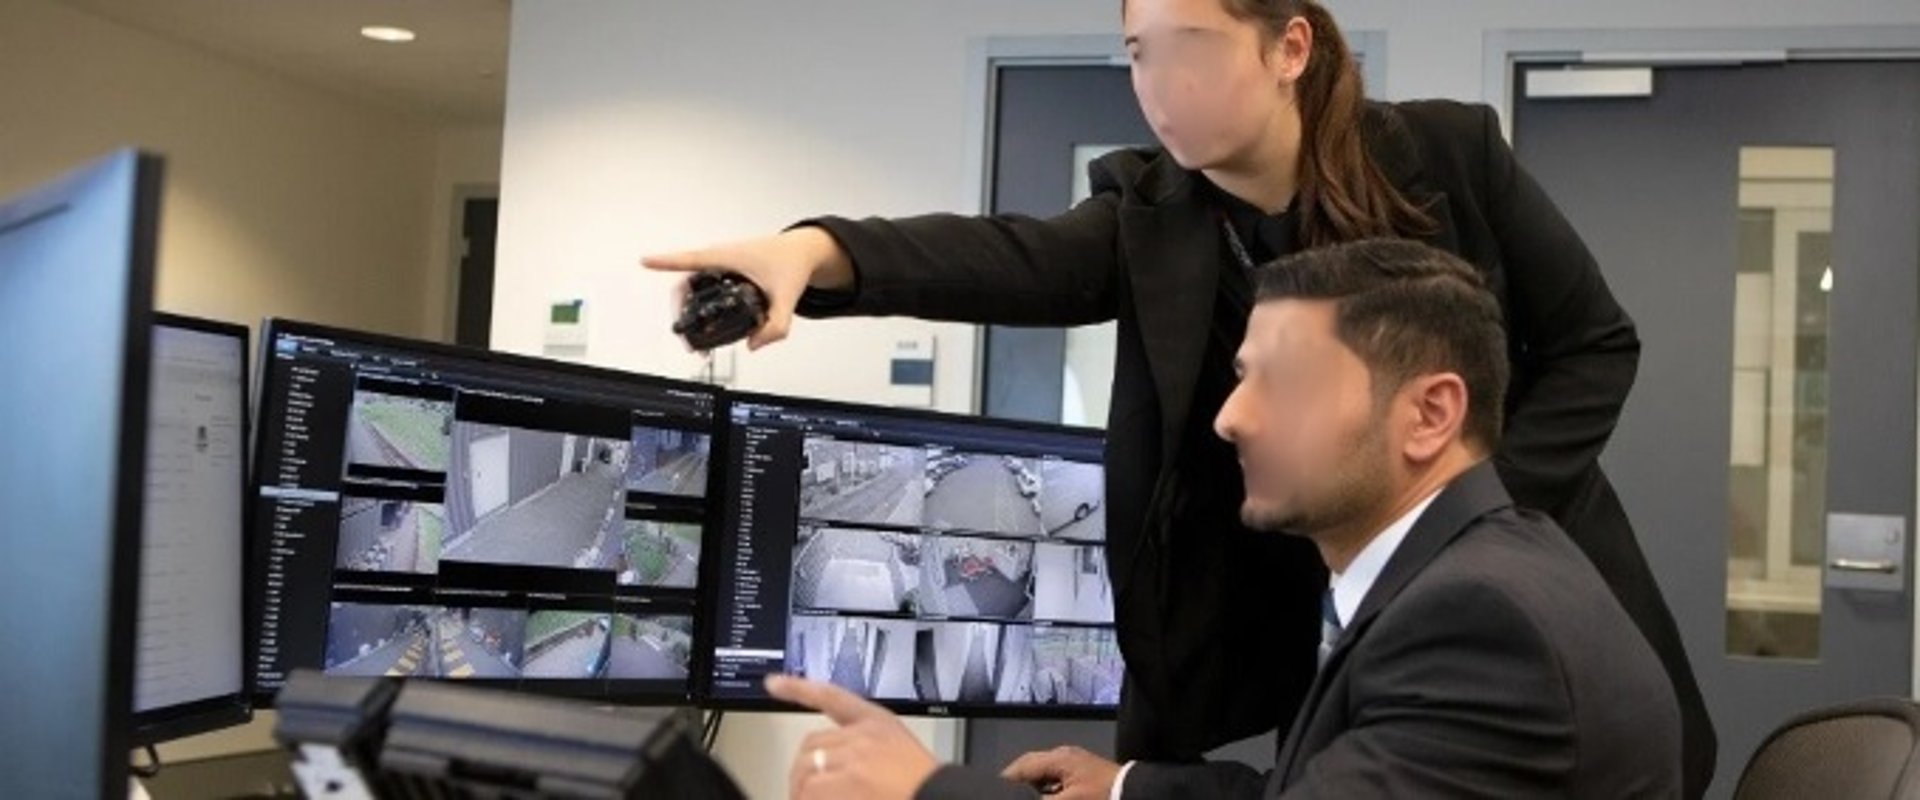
(466, 165)
(280, 199)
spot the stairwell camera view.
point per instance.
(374, 641)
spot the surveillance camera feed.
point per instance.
(935, 564)
(434, 512)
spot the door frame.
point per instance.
(1504, 50)
(460, 195)
(986, 57)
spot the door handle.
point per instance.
(1866, 552)
(1858, 565)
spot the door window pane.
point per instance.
(1777, 467)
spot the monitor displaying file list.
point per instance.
(444, 513)
(190, 668)
(935, 564)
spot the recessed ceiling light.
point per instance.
(387, 33)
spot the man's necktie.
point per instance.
(1329, 626)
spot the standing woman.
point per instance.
(1268, 146)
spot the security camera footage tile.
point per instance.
(1075, 666)
(427, 642)
(405, 432)
(862, 483)
(517, 496)
(873, 657)
(969, 577)
(984, 493)
(855, 570)
(378, 535)
(1071, 584)
(670, 462)
(650, 647)
(664, 554)
(567, 644)
(1072, 501)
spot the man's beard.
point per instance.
(1354, 485)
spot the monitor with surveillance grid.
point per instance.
(936, 564)
(437, 512)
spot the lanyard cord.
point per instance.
(1239, 248)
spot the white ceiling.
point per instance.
(455, 72)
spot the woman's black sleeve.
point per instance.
(1002, 270)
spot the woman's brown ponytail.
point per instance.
(1342, 194)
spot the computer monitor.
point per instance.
(76, 300)
(441, 512)
(935, 564)
(190, 669)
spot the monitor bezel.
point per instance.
(135, 177)
(166, 723)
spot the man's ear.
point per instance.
(1438, 405)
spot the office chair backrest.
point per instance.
(1864, 749)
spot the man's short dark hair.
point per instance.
(1407, 310)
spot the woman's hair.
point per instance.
(1343, 195)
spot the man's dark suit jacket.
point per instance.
(1190, 582)
(1488, 659)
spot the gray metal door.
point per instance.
(1046, 121)
(1761, 222)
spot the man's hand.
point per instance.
(1076, 773)
(870, 754)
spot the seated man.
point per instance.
(1469, 648)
